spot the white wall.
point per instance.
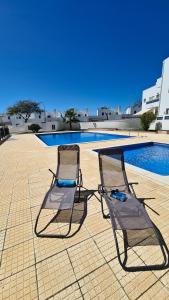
(165, 124)
(151, 94)
(164, 99)
(162, 86)
(45, 127)
(119, 124)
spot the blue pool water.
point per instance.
(153, 157)
(55, 139)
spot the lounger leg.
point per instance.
(163, 265)
(41, 234)
(80, 184)
(102, 208)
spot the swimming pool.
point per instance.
(55, 139)
(153, 157)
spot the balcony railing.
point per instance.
(152, 101)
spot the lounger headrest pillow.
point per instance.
(66, 183)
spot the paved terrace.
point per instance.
(86, 265)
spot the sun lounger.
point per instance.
(129, 215)
(65, 184)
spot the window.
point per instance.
(8, 117)
(39, 116)
(85, 115)
(78, 115)
(102, 113)
(53, 127)
(166, 118)
(48, 116)
(167, 111)
(109, 114)
(159, 118)
(144, 99)
(152, 101)
(135, 111)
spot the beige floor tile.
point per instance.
(156, 292)
(133, 283)
(19, 286)
(79, 237)
(18, 217)
(85, 258)
(17, 258)
(19, 205)
(106, 245)
(2, 237)
(70, 293)
(102, 284)
(18, 234)
(96, 224)
(36, 201)
(165, 280)
(54, 274)
(3, 222)
(46, 247)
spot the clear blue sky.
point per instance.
(81, 53)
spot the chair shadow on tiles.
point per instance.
(60, 219)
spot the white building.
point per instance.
(156, 98)
(83, 116)
(46, 120)
(106, 113)
(151, 97)
(134, 109)
(37, 118)
(128, 110)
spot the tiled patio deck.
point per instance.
(86, 265)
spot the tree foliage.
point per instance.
(24, 109)
(146, 119)
(70, 117)
(34, 127)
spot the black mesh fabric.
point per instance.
(68, 167)
(68, 162)
(129, 214)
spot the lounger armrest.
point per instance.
(101, 189)
(54, 175)
(130, 183)
(80, 172)
(80, 181)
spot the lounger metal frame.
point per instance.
(78, 188)
(103, 195)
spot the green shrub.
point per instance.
(146, 119)
(34, 127)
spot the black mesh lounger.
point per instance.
(129, 216)
(62, 198)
